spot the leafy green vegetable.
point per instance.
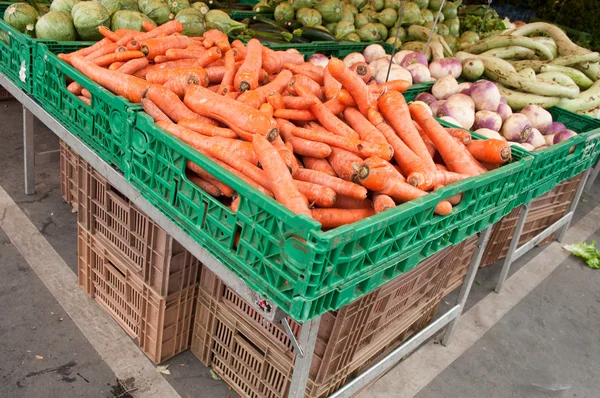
(588, 252)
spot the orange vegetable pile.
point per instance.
(325, 142)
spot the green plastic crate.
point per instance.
(105, 125)
(287, 257)
(560, 162)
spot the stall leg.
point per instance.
(308, 339)
(514, 244)
(461, 300)
(563, 230)
(29, 151)
(593, 176)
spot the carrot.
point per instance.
(209, 130)
(489, 166)
(281, 180)
(234, 114)
(108, 59)
(171, 105)
(395, 85)
(193, 75)
(202, 58)
(441, 167)
(273, 61)
(175, 54)
(238, 44)
(490, 151)
(215, 74)
(463, 135)
(364, 127)
(250, 98)
(362, 70)
(286, 154)
(221, 62)
(168, 28)
(321, 165)
(277, 85)
(229, 72)
(267, 109)
(352, 82)
(298, 102)
(294, 114)
(346, 98)
(117, 65)
(74, 88)
(86, 93)
(335, 106)
(301, 146)
(430, 147)
(154, 111)
(340, 186)
(382, 202)
(394, 108)
(311, 71)
(106, 49)
(331, 87)
(159, 45)
(148, 26)
(316, 194)
(182, 63)
(324, 115)
(433, 179)
(203, 143)
(346, 202)
(128, 86)
(450, 150)
(225, 189)
(361, 148)
(206, 186)
(235, 206)
(276, 101)
(333, 218)
(346, 165)
(86, 100)
(213, 37)
(383, 179)
(130, 44)
(85, 51)
(104, 31)
(246, 77)
(310, 84)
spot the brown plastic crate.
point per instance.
(463, 255)
(140, 244)
(69, 169)
(543, 212)
(162, 326)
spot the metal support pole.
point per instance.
(28, 151)
(593, 176)
(461, 300)
(514, 243)
(308, 340)
(563, 231)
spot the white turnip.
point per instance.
(445, 67)
(353, 58)
(516, 128)
(461, 108)
(487, 120)
(486, 95)
(373, 52)
(445, 87)
(540, 118)
(419, 73)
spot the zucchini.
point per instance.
(263, 9)
(264, 20)
(314, 34)
(285, 35)
(270, 40)
(263, 27)
(293, 25)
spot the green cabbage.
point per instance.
(330, 10)
(157, 10)
(125, 19)
(42, 9)
(192, 20)
(87, 17)
(130, 5)
(298, 4)
(435, 4)
(284, 12)
(111, 6)
(21, 16)
(55, 25)
(200, 6)
(422, 3)
(63, 5)
(343, 29)
(442, 30)
(331, 26)
(401, 35)
(388, 17)
(309, 17)
(177, 5)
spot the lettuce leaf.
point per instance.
(586, 251)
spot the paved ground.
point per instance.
(546, 345)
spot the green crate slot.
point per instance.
(105, 126)
(287, 257)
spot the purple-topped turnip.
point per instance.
(445, 87)
(465, 88)
(526, 146)
(516, 128)
(563, 136)
(399, 57)
(373, 52)
(419, 72)
(549, 139)
(414, 58)
(396, 73)
(436, 106)
(536, 138)
(319, 59)
(487, 120)
(486, 95)
(504, 111)
(426, 98)
(555, 128)
(461, 108)
(540, 118)
(445, 67)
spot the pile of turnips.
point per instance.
(480, 107)
(406, 65)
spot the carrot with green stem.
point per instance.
(273, 61)
(282, 183)
(118, 83)
(247, 76)
(205, 186)
(232, 113)
(382, 202)
(316, 164)
(333, 217)
(324, 115)
(108, 59)
(154, 111)
(340, 186)
(209, 130)
(226, 190)
(363, 127)
(490, 151)
(451, 151)
(347, 165)
(352, 82)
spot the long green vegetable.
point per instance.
(422, 33)
(560, 61)
(586, 100)
(507, 41)
(514, 52)
(578, 76)
(518, 101)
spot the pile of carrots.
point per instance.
(323, 141)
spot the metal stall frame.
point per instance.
(306, 343)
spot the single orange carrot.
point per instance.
(267, 109)
(382, 202)
(277, 85)
(206, 186)
(241, 165)
(105, 49)
(250, 98)
(285, 152)
(321, 165)
(363, 70)
(434, 178)
(171, 105)
(294, 114)
(333, 217)
(463, 135)
(335, 106)
(215, 74)
(86, 100)
(203, 58)
(346, 202)
(273, 61)
(191, 75)
(340, 186)
(214, 37)
(430, 147)
(168, 28)
(276, 101)
(74, 88)
(86, 93)
(331, 87)
(301, 146)
(352, 82)
(316, 194)
(159, 45)
(311, 71)
(363, 127)
(86, 50)
(118, 64)
(247, 76)
(230, 70)
(490, 151)
(148, 26)
(108, 59)
(154, 111)
(347, 165)
(298, 102)
(310, 84)
(225, 189)
(104, 31)
(209, 130)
